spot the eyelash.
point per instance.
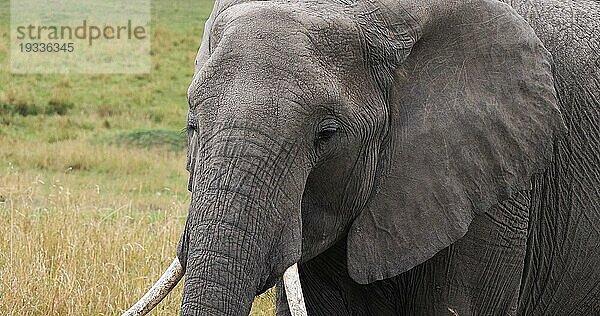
(328, 130)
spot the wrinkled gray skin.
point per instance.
(413, 156)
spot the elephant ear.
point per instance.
(472, 115)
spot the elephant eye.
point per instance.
(326, 134)
(327, 130)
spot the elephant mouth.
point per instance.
(175, 272)
(269, 283)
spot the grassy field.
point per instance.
(93, 191)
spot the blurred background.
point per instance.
(93, 187)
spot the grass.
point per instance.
(82, 243)
(168, 139)
(93, 189)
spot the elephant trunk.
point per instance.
(244, 226)
(229, 255)
(224, 269)
(243, 230)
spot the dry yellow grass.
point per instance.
(86, 229)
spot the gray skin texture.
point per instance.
(424, 157)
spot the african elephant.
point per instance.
(413, 157)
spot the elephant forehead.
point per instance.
(280, 60)
(265, 45)
(295, 30)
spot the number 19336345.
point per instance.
(41, 47)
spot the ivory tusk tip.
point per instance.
(158, 291)
(293, 291)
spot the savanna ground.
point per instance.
(93, 192)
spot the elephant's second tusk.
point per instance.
(293, 291)
(159, 290)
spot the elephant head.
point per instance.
(387, 123)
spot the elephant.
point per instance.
(406, 157)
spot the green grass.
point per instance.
(149, 138)
(157, 99)
(93, 187)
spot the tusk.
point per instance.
(293, 291)
(158, 291)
